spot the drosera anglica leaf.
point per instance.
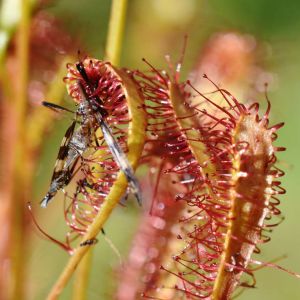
(127, 121)
(224, 159)
(101, 179)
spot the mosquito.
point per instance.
(77, 141)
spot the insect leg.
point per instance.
(56, 107)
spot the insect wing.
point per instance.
(120, 157)
(61, 174)
(63, 152)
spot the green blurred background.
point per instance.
(155, 28)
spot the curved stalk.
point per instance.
(136, 139)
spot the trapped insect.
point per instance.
(90, 115)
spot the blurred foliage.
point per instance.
(156, 28)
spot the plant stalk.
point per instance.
(115, 31)
(81, 280)
(20, 176)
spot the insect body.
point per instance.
(74, 144)
(76, 141)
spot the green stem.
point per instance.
(115, 31)
(81, 280)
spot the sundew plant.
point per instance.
(145, 150)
